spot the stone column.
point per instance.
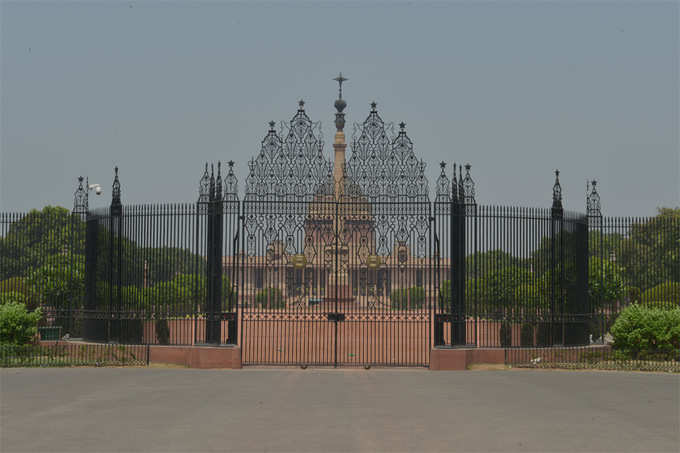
(339, 146)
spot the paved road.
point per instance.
(162, 410)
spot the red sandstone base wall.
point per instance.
(462, 358)
(197, 356)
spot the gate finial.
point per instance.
(557, 193)
(593, 201)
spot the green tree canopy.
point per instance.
(37, 236)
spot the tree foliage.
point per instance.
(38, 236)
(407, 298)
(605, 282)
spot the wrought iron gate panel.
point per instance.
(336, 270)
(284, 272)
(384, 270)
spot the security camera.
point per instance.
(97, 188)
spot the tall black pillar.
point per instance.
(556, 262)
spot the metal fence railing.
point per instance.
(73, 354)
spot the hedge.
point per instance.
(646, 333)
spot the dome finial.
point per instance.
(340, 79)
(340, 104)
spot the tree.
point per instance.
(59, 281)
(532, 299)
(481, 264)
(407, 298)
(23, 287)
(38, 235)
(652, 254)
(496, 292)
(605, 282)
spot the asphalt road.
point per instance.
(163, 410)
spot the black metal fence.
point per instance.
(587, 357)
(487, 276)
(73, 354)
(345, 264)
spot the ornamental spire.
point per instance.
(557, 194)
(340, 105)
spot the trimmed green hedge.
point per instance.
(644, 333)
(402, 299)
(270, 298)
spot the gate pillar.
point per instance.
(213, 327)
(457, 268)
(556, 264)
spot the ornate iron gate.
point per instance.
(336, 265)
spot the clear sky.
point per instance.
(515, 88)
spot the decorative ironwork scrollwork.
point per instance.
(468, 187)
(230, 184)
(292, 170)
(80, 197)
(204, 187)
(443, 185)
(593, 204)
(116, 205)
(294, 167)
(383, 168)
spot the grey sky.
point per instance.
(516, 89)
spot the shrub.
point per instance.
(506, 334)
(526, 335)
(270, 298)
(413, 297)
(17, 325)
(665, 294)
(647, 333)
(162, 331)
